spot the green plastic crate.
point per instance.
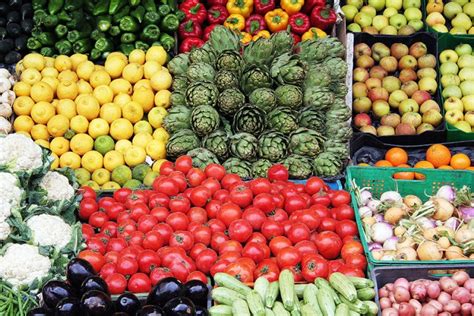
(381, 180)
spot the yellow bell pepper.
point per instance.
(245, 37)
(235, 22)
(313, 32)
(242, 7)
(292, 6)
(262, 33)
(277, 20)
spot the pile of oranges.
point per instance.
(437, 156)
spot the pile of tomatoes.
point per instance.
(194, 223)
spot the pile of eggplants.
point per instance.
(16, 23)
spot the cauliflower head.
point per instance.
(10, 194)
(57, 186)
(50, 230)
(20, 153)
(5, 230)
(22, 264)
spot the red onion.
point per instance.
(417, 305)
(402, 282)
(429, 310)
(469, 285)
(462, 295)
(418, 291)
(390, 312)
(444, 298)
(467, 212)
(460, 277)
(385, 303)
(437, 305)
(452, 307)
(448, 284)
(433, 290)
(466, 309)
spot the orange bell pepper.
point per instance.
(277, 20)
(313, 32)
(245, 37)
(242, 7)
(292, 6)
(262, 33)
(235, 22)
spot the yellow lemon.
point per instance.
(144, 83)
(88, 106)
(52, 82)
(150, 68)
(121, 129)
(30, 76)
(134, 156)
(23, 105)
(62, 63)
(92, 160)
(55, 103)
(41, 91)
(161, 80)
(137, 56)
(59, 145)
(48, 61)
(113, 159)
(67, 108)
(85, 69)
(98, 67)
(132, 72)
(42, 142)
(110, 112)
(82, 175)
(50, 72)
(142, 139)
(39, 131)
(158, 54)
(156, 149)
(132, 111)
(144, 97)
(117, 54)
(103, 94)
(123, 145)
(98, 127)
(121, 85)
(42, 112)
(79, 124)
(122, 99)
(68, 75)
(76, 59)
(142, 127)
(98, 78)
(161, 134)
(67, 90)
(114, 66)
(156, 116)
(92, 184)
(84, 87)
(34, 60)
(21, 89)
(23, 123)
(81, 143)
(70, 159)
(110, 185)
(58, 125)
(55, 163)
(162, 98)
(157, 164)
(101, 176)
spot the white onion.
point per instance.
(373, 204)
(365, 196)
(446, 192)
(378, 218)
(452, 223)
(365, 211)
(381, 232)
(391, 196)
(391, 243)
(425, 223)
(374, 246)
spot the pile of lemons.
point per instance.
(103, 121)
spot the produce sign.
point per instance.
(98, 28)
(391, 17)
(99, 120)
(454, 17)
(38, 228)
(7, 97)
(199, 222)
(393, 89)
(264, 106)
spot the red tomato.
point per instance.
(315, 185)
(278, 172)
(196, 250)
(221, 195)
(343, 212)
(279, 215)
(106, 270)
(271, 229)
(230, 245)
(240, 271)
(216, 225)
(327, 224)
(212, 208)
(202, 234)
(345, 269)
(138, 210)
(264, 202)
(260, 185)
(320, 210)
(116, 244)
(123, 217)
(134, 197)
(294, 203)
(159, 273)
(215, 171)
(298, 232)
(183, 239)
(164, 230)
(351, 248)
(230, 256)
(87, 192)
(205, 260)
(139, 283)
(87, 207)
(240, 230)
(254, 216)
(310, 218)
(229, 180)
(229, 212)
(111, 257)
(346, 228)
(87, 231)
(127, 266)
(297, 273)
(335, 265)
(131, 252)
(97, 244)
(179, 203)
(257, 237)
(278, 243)
(158, 199)
(241, 195)
(153, 240)
(114, 210)
(314, 266)
(166, 186)
(136, 238)
(197, 215)
(219, 266)
(321, 198)
(183, 163)
(356, 261)
(306, 247)
(253, 251)
(148, 260)
(146, 223)
(212, 184)
(96, 259)
(166, 168)
(178, 221)
(340, 197)
(268, 269)
(105, 202)
(197, 275)
(199, 196)
(180, 271)
(116, 283)
(329, 244)
(288, 257)
(279, 200)
(218, 239)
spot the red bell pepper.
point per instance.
(217, 14)
(189, 43)
(323, 17)
(208, 30)
(299, 23)
(296, 38)
(263, 6)
(310, 4)
(254, 24)
(189, 28)
(211, 3)
(194, 10)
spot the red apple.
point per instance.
(369, 129)
(365, 61)
(359, 89)
(427, 61)
(384, 130)
(370, 29)
(405, 129)
(362, 105)
(380, 108)
(380, 50)
(391, 119)
(429, 105)
(407, 74)
(410, 87)
(418, 49)
(362, 49)
(373, 83)
(391, 83)
(421, 96)
(407, 61)
(378, 72)
(424, 127)
(360, 74)
(389, 63)
(398, 50)
(362, 119)
(378, 94)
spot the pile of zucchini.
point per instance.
(340, 296)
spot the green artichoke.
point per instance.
(216, 142)
(179, 65)
(282, 120)
(339, 114)
(273, 146)
(178, 118)
(299, 167)
(239, 167)
(317, 76)
(340, 88)
(204, 120)
(177, 99)
(202, 157)
(340, 131)
(339, 149)
(337, 67)
(283, 42)
(320, 98)
(224, 39)
(249, 119)
(334, 47)
(260, 168)
(288, 69)
(254, 78)
(263, 98)
(201, 72)
(180, 143)
(289, 96)
(204, 54)
(259, 52)
(231, 61)
(327, 165)
(312, 118)
(201, 93)
(243, 146)
(226, 79)
(180, 83)
(306, 142)
(312, 51)
(230, 101)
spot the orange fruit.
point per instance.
(383, 163)
(396, 156)
(446, 167)
(406, 175)
(439, 155)
(425, 165)
(460, 161)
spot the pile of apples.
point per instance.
(459, 13)
(384, 16)
(457, 81)
(393, 89)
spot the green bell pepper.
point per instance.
(63, 47)
(75, 35)
(50, 21)
(104, 23)
(54, 6)
(104, 44)
(141, 45)
(150, 33)
(164, 10)
(96, 34)
(181, 16)
(170, 23)
(168, 42)
(115, 30)
(33, 44)
(73, 5)
(138, 13)
(46, 39)
(116, 5)
(122, 13)
(60, 30)
(38, 4)
(151, 18)
(77, 20)
(63, 16)
(129, 24)
(149, 5)
(134, 3)
(126, 48)
(102, 7)
(128, 38)
(39, 16)
(82, 46)
(95, 54)
(47, 51)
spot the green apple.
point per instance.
(450, 80)
(440, 28)
(428, 84)
(416, 24)
(468, 102)
(463, 126)
(449, 68)
(395, 4)
(363, 19)
(396, 97)
(466, 61)
(435, 18)
(398, 20)
(379, 22)
(469, 117)
(452, 91)
(453, 103)
(468, 8)
(467, 87)
(369, 10)
(408, 105)
(464, 49)
(377, 4)
(453, 116)
(349, 11)
(388, 12)
(451, 9)
(411, 4)
(462, 21)
(357, 3)
(354, 27)
(466, 73)
(448, 55)
(413, 14)
(426, 72)
(406, 30)
(461, 2)
(389, 30)
(457, 31)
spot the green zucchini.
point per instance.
(279, 309)
(342, 310)
(326, 302)
(269, 312)
(310, 297)
(287, 289)
(239, 307)
(372, 307)
(366, 294)
(255, 303)
(220, 310)
(343, 285)
(271, 294)
(352, 313)
(261, 286)
(323, 283)
(225, 296)
(308, 310)
(299, 289)
(356, 306)
(361, 283)
(228, 281)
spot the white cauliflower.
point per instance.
(10, 194)
(50, 230)
(22, 264)
(4, 230)
(20, 153)
(57, 186)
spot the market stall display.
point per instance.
(454, 17)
